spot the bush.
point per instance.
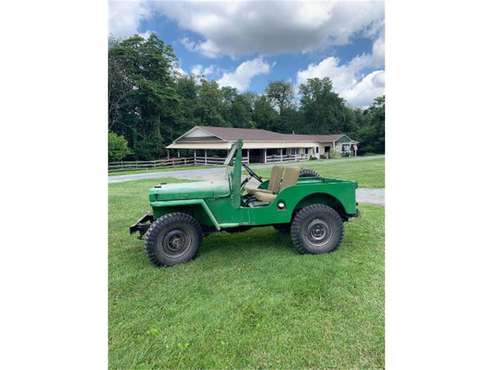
(117, 147)
(323, 156)
(334, 154)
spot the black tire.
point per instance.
(317, 229)
(173, 238)
(308, 172)
(282, 228)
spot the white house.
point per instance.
(261, 146)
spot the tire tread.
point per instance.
(153, 232)
(305, 212)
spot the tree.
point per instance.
(187, 90)
(119, 87)
(117, 147)
(323, 110)
(209, 104)
(142, 93)
(242, 112)
(264, 116)
(280, 95)
(371, 132)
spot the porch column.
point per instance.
(194, 157)
(178, 153)
(281, 154)
(248, 156)
(205, 156)
(265, 155)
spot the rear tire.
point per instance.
(317, 229)
(173, 238)
(308, 172)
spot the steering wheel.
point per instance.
(251, 174)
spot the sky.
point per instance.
(247, 44)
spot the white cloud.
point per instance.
(243, 74)
(200, 70)
(205, 48)
(349, 82)
(125, 16)
(178, 70)
(366, 90)
(269, 27)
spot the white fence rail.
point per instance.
(141, 165)
(286, 158)
(209, 160)
(192, 161)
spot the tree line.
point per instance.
(150, 104)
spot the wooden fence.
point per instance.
(142, 165)
(192, 161)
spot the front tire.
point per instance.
(173, 238)
(317, 229)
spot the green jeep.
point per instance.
(308, 206)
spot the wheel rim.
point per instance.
(317, 232)
(175, 243)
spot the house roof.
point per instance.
(259, 135)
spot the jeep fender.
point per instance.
(204, 215)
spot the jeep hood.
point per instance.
(189, 190)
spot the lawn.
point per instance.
(247, 301)
(367, 171)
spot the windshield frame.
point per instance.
(231, 155)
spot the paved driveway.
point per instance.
(363, 195)
(200, 174)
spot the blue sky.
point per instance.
(246, 44)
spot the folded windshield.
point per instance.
(230, 156)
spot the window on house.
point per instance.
(306, 150)
(316, 150)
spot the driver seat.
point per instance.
(276, 175)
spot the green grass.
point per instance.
(367, 171)
(247, 301)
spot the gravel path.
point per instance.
(371, 196)
(363, 195)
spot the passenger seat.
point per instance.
(291, 175)
(274, 182)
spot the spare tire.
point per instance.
(308, 172)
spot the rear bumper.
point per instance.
(142, 225)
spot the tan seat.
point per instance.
(289, 177)
(265, 197)
(274, 182)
